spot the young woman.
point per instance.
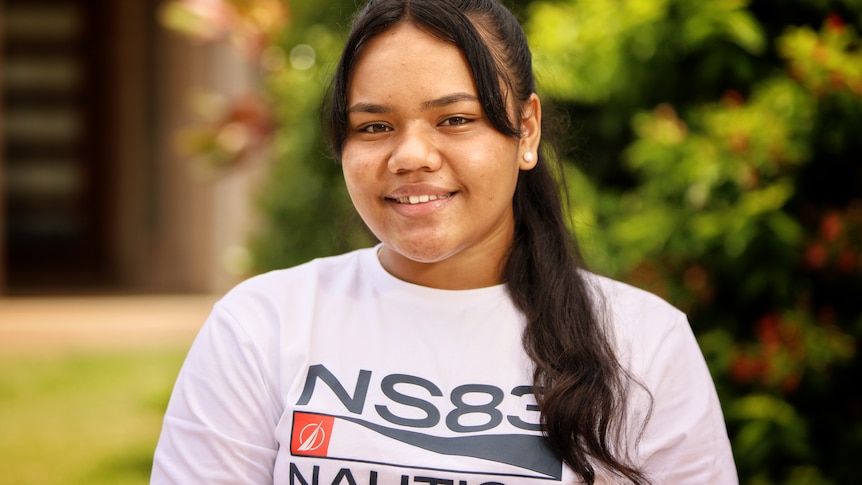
(470, 346)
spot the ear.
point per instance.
(531, 132)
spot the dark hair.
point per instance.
(580, 386)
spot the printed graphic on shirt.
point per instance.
(311, 432)
(481, 438)
(353, 439)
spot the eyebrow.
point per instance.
(448, 99)
(440, 102)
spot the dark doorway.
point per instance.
(57, 139)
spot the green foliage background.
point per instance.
(714, 159)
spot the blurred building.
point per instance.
(94, 196)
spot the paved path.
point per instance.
(29, 324)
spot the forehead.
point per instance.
(406, 58)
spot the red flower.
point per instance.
(815, 256)
(746, 368)
(834, 23)
(768, 332)
(831, 226)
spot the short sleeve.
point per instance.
(685, 439)
(218, 425)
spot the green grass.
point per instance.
(83, 418)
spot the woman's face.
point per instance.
(426, 170)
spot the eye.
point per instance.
(455, 121)
(375, 128)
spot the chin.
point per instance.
(420, 253)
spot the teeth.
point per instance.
(419, 199)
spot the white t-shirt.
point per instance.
(336, 372)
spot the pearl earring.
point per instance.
(528, 157)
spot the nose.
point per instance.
(415, 149)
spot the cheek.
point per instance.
(495, 169)
(361, 181)
(355, 185)
(352, 167)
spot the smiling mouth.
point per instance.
(421, 199)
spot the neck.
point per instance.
(457, 273)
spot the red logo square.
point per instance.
(311, 434)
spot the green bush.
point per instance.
(722, 172)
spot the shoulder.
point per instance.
(646, 329)
(283, 283)
(683, 438)
(629, 306)
(286, 294)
